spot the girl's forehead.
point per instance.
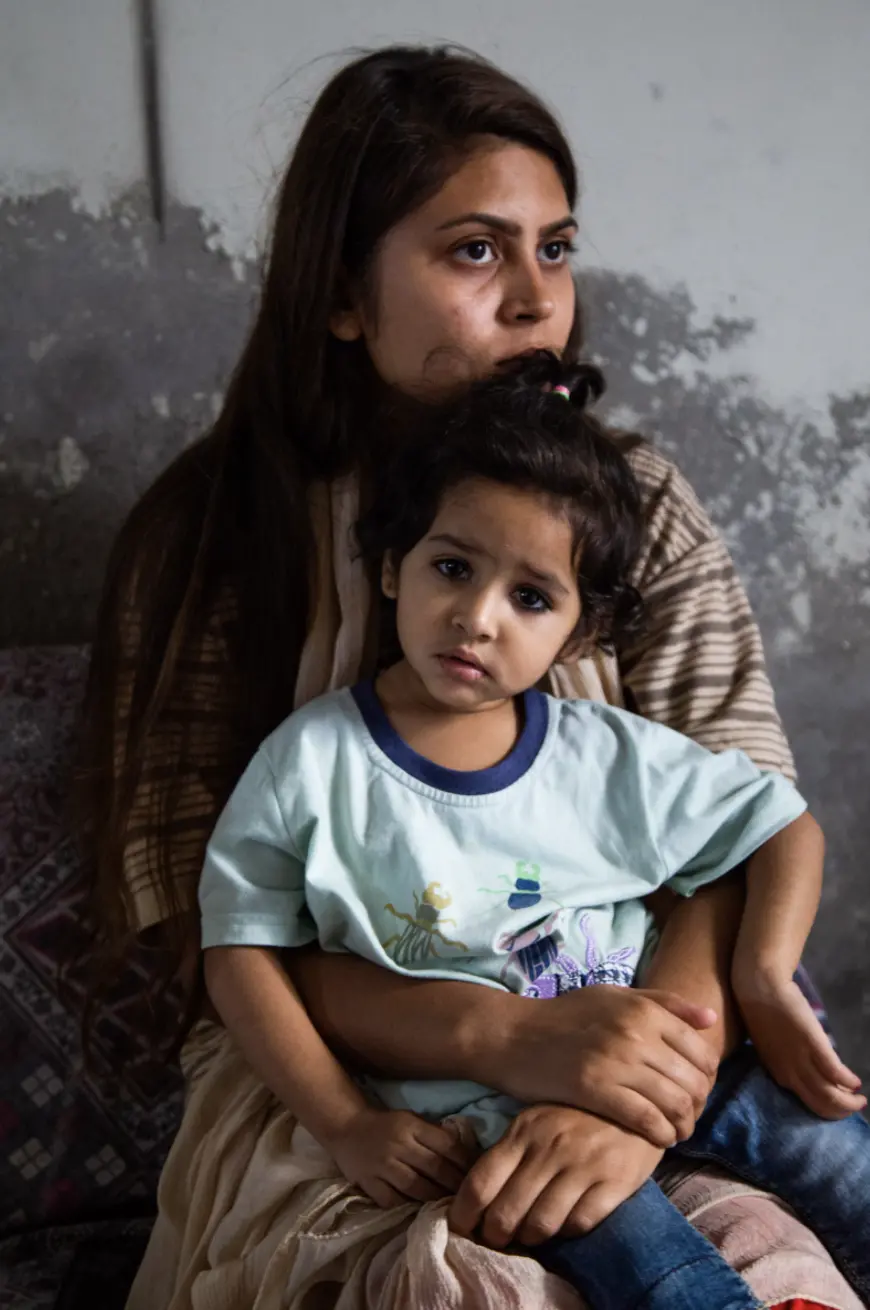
(507, 522)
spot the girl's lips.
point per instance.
(461, 668)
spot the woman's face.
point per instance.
(476, 276)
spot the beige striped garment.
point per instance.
(699, 668)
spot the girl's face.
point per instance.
(476, 276)
(488, 599)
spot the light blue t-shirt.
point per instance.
(527, 876)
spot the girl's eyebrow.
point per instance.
(470, 548)
(506, 225)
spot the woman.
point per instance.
(421, 240)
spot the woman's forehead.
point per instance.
(503, 180)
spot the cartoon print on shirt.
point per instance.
(524, 888)
(417, 940)
(565, 974)
(533, 950)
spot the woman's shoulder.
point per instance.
(676, 523)
(662, 482)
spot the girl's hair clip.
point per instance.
(562, 391)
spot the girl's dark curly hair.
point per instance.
(519, 431)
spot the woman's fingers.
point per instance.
(509, 1208)
(594, 1206)
(482, 1184)
(638, 1112)
(691, 1047)
(549, 1213)
(696, 1016)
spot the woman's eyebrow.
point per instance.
(506, 225)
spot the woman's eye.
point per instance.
(455, 569)
(529, 598)
(476, 252)
(556, 252)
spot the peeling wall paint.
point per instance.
(105, 374)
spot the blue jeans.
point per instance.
(646, 1256)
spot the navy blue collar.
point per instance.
(477, 782)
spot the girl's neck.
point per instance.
(454, 739)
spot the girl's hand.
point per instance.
(396, 1157)
(555, 1171)
(795, 1049)
(628, 1055)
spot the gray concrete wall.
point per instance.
(725, 256)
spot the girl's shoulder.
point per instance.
(314, 731)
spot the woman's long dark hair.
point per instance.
(383, 137)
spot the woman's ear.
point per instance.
(346, 320)
(346, 325)
(390, 577)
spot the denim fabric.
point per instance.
(819, 1167)
(646, 1256)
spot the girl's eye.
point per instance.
(454, 569)
(556, 252)
(478, 251)
(529, 598)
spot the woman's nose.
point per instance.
(527, 297)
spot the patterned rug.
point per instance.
(74, 1145)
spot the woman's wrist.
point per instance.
(487, 1036)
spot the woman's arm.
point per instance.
(633, 1056)
(695, 952)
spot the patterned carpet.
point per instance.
(76, 1146)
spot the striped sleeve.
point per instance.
(185, 775)
(698, 666)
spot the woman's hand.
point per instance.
(396, 1157)
(635, 1057)
(555, 1170)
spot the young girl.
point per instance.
(449, 820)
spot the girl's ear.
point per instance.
(579, 645)
(390, 577)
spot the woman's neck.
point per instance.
(455, 739)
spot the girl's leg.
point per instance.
(819, 1167)
(646, 1256)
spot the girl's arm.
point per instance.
(784, 879)
(784, 887)
(392, 1155)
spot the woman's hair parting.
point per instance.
(527, 429)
